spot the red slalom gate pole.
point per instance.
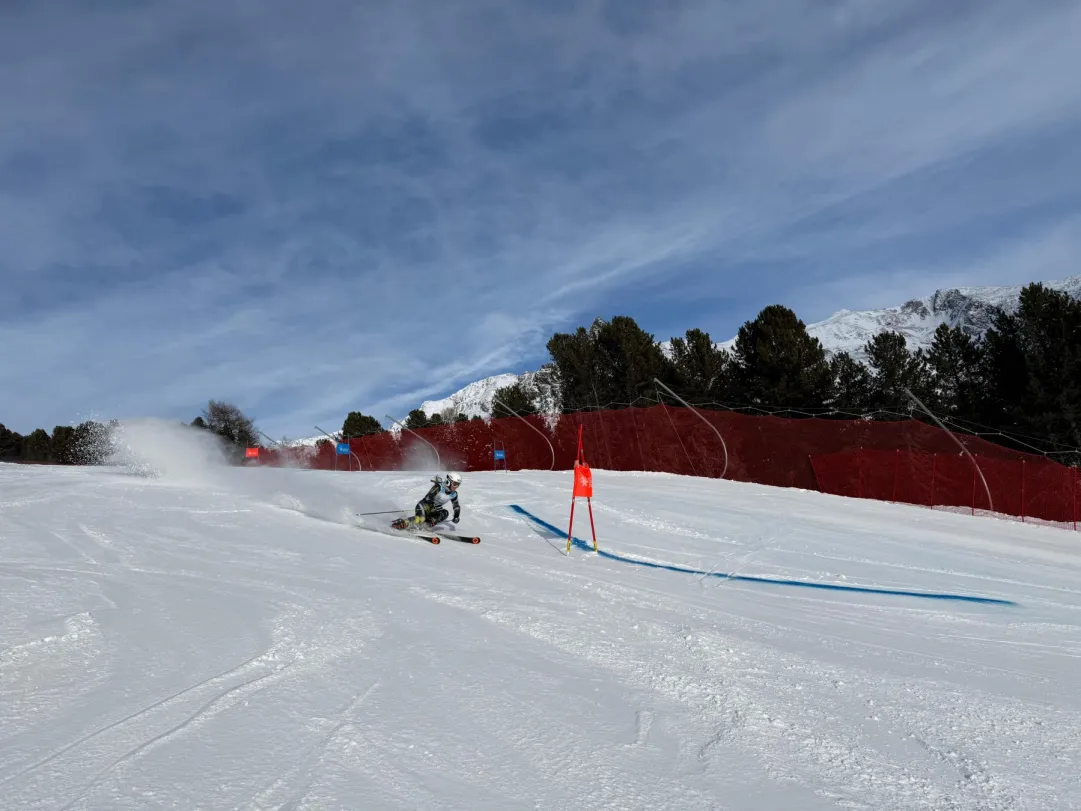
(583, 488)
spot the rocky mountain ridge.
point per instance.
(971, 308)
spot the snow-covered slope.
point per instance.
(234, 639)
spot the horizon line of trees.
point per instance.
(1019, 383)
(1022, 379)
(66, 445)
(91, 442)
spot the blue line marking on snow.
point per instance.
(774, 581)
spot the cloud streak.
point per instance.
(314, 209)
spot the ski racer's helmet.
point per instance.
(453, 480)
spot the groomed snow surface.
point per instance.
(221, 638)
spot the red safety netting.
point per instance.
(1030, 487)
(906, 461)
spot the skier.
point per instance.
(431, 509)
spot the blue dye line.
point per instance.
(774, 581)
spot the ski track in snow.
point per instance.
(247, 644)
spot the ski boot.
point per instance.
(411, 523)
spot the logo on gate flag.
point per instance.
(583, 481)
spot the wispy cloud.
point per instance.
(318, 207)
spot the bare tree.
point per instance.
(230, 423)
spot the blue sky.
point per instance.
(308, 208)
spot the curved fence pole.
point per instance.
(712, 427)
(438, 461)
(336, 441)
(333, 439)
(960, 444)
(276, 442)
(272, 441)
(523, 419)
(328, 436)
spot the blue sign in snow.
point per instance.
(343, 449)
(500, 455)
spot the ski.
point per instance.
(403, 525)
(403, 528)
(463, 538)
(430, 537)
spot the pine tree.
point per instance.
(62, 450)
(893, 369)
(1048, 329)
(416, 420)
(701, 372)
(609, 365)
(11, 444)
(777, 363)
(851, 385)
(574, 355)
(626, 362)
(953, 361)
(357, 424)
(1003, 373)
(513, 396)
(37, 446)
(92, 443)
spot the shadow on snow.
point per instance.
(773, 581)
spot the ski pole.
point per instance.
(385, 512)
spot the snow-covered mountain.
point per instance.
(971, 308)
(303, 442)
(475, 400)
